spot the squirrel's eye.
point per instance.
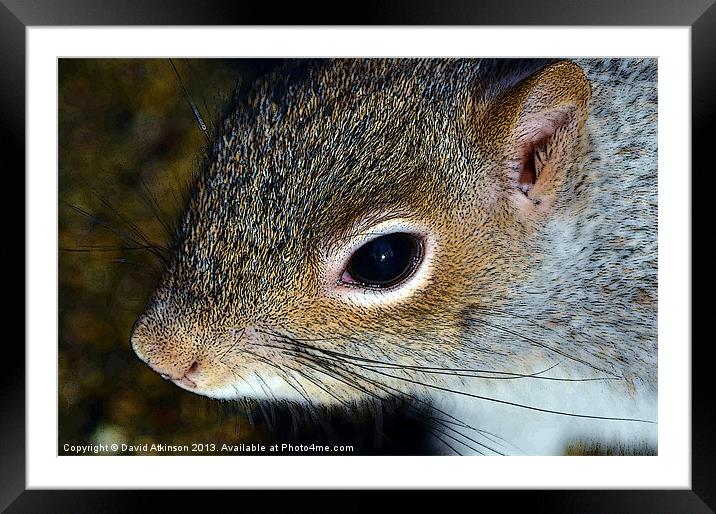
(384, 261)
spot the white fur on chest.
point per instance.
(501, 423)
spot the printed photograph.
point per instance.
(439, 256)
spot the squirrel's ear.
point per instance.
(539, 125)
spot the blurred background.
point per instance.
(129, 145)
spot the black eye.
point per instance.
(384, 261)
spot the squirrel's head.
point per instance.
(353, 218)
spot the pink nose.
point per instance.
(172, 358)
(187, 378)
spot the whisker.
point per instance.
(445, 371)
(249, 414)
(285, 376)
(546, 347)
(130, 245)
(331, 373)
(514, 404)
(267, 417)
(151, 200)
(382, 386)
(458, 441)
(495, 400)
(412, 397)
(192, 105)
(533, 322)
(329, 368)
(236, 341)
(134, 228)
(318, 384)
(445, 443)
(469, 373)
(378, 432)
(100, 248)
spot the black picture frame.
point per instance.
(17, 15)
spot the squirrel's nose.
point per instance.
(187, 378)
(185, 375)
(171, 361)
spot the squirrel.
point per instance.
(477, 235)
